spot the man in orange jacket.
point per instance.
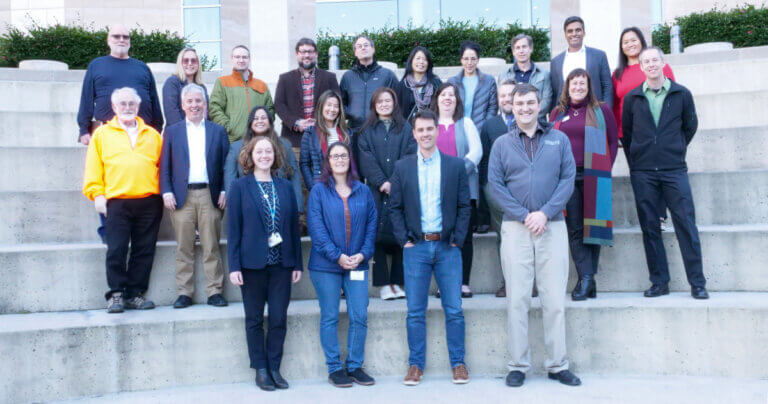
(122, 179)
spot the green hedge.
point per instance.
(77, 45)
(395, 44)
(743, 26)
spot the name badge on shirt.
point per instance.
(357, 275)
(566, 118)
(274, 240)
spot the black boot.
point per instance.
(586, 287)
(280, 383)
(264, 380)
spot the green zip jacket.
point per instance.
(232, 99)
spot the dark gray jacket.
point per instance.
(520, 186)
(485, 104)
(357, 86)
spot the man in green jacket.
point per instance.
(235, 95)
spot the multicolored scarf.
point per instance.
(598, 207)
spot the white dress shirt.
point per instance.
(133, 133)
(574, 60)
(198, 171)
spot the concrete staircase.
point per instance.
(58, 343)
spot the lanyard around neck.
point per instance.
(273, 206)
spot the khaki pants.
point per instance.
(523, 258)
(198, 212)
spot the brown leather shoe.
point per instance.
(502, 292)
(413, 377)
(460, 375)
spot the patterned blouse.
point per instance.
(274, 254)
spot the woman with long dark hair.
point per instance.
(592, 131)
(458, 137)
(384, 139)
(418, 85)
(330, 127)
(261, 123)
(341, 216)
(264, 253)
(627, 77)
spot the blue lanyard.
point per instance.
(273, 206)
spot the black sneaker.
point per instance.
(182, 302)
(217, 300)
(515, 378)
(115, 304)
(565, 377)
(360, 377)
(139, 303)
(340, 378)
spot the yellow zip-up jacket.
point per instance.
(115, 169)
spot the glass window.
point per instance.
(188, 3)
(351, 17)
(540, 13)
(657, 15)
(419, 13)
(202, 24)
(211, 50)
(496, 12)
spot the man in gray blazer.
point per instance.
(592, 60)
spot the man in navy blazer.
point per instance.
(592, 60)
(192, 184)
(429, 210)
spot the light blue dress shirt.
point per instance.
(470, 85)
(429, 192)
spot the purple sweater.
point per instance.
(573, 127)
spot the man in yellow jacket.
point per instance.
(122, 179)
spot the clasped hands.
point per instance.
(536, 222)
(350, 263)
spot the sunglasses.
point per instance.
(123, 37)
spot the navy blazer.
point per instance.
(247, 232)
(599, 72)
(174, 160)
(405, 202)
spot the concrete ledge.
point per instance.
(44, 65)
(75, 354)
(709, 47)
(736, 55)
(38, 278)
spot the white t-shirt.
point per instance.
(574, 60)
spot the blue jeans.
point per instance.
(419, 263)
(328, 286)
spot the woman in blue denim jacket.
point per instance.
(341, 216)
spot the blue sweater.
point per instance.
(104, 75)
(327, 226)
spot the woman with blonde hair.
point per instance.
(330, 127)
(188, 70)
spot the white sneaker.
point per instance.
(399, 292)
(386, 293)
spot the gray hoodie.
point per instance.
(520, 186)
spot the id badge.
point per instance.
(274, 240)
(357, 275)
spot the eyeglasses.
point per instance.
(306, 52)
(123, 37)
(129, 104)
(363, 46)
(189, 61)
(336, 157)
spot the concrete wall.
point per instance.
(676, 8)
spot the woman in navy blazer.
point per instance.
(264, 251)
(341, 216)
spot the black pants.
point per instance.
(676, 191)
(134, 221)
(382, 273)
(483, 211)
(585, 256)
(272, 286)
(468, 249)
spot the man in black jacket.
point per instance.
(298, 90)
(659, 121)
(429, 209)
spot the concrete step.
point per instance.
(745, 75)
(74, 354)
(38, 129)
(54, 217)
(55, 277)
(719, 150)
(731, 109)
(595, 388)
(44, 168)
(720, 198)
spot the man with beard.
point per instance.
(236, 94)
(297, 92)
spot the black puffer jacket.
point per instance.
(649, 147)
(357, 86)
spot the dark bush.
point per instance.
(77, 45)
(744, 26)
(395, 44)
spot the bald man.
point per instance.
(104, 75)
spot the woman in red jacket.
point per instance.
(627, 77)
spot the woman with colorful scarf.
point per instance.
(591, 129)
(418, 84)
